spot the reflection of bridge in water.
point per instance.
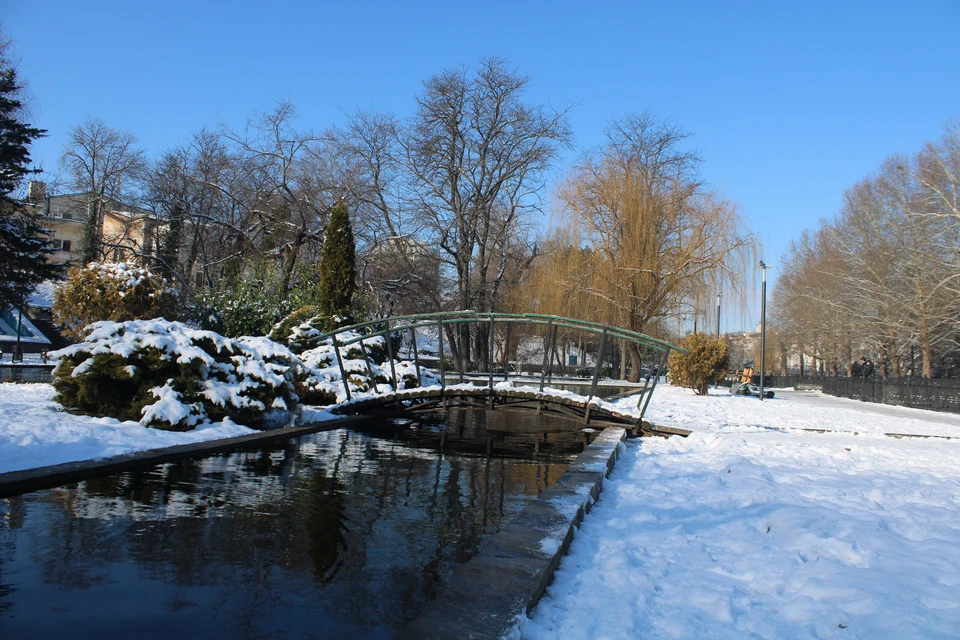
(481, 387)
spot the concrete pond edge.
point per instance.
(486, 597)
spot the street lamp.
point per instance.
(763, 325)
(718, 316)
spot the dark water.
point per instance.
(336, 535)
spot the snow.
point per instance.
(42, 295)
(753, 527)
(35, 433)
(127, 275)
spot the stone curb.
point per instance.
(16, 482)
(486, 596)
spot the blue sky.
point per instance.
(789, 103)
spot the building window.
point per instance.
(66, 245)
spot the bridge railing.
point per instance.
(388, 327)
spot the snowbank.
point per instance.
(35, 433)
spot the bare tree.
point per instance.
(400, 267)
(289, 202)
(187, 185)
(106, 165)
(477, 155)
(878, 277)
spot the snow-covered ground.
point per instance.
(33, 433)
(754, 528)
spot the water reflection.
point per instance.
(502, 432)
(338, 534)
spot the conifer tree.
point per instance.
(338, 270)
(23, 248)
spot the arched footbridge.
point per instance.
(502, 371)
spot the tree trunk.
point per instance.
(91, 233)
(451, 343)
(463, 346)
(636, 363)
(623, 360)
(482, 346)
(925, 341)
(290, 261)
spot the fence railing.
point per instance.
(919, 393)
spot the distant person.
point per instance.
(866, 368)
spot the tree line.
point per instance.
(446, 208)
(882, 277)
(442, 202)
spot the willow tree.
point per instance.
(653, 241)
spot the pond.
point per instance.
(337, 534)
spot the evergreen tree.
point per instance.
(338, 269)
(24, 250)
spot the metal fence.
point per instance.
(939, 395)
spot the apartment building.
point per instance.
(127, 231)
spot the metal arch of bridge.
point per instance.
(387, 326)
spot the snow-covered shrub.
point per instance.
(170, 376)
(111, 291)
(704, 362)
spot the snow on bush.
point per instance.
(301, 330)
(170, 376)
(111, 291)
(165, 374)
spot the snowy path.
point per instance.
(741, 531)
(794, 410)
(887, 411)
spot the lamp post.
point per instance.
(763, 325)
(17, 353)
(718, 316)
